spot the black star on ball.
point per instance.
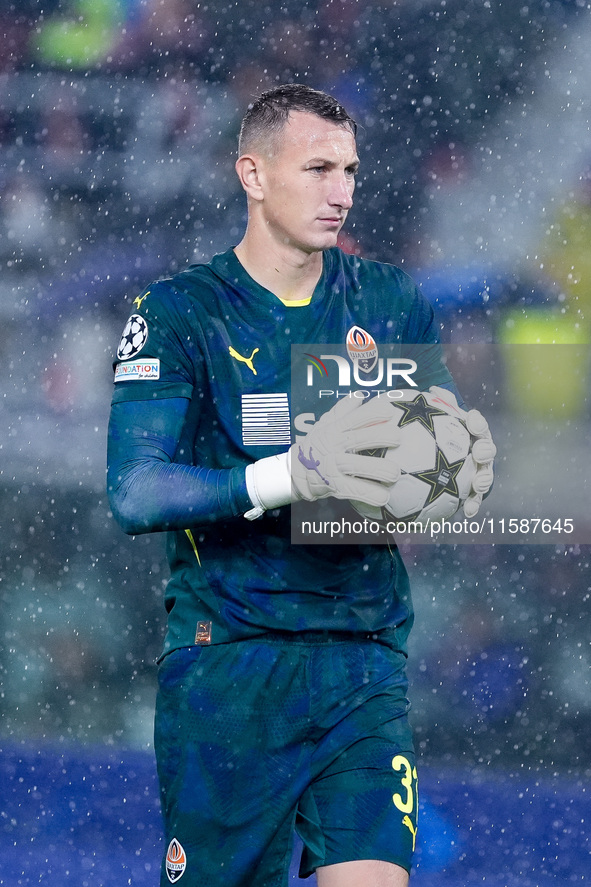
(442, 478)
(419, 410)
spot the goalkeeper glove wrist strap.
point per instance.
(268, 482)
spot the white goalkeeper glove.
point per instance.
(328, 461)
(483, 448)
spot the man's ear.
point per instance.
(249, 171)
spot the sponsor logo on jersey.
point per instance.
(137, 369)
(265, 420)
(362, 349)
(139, 299)
(176, 861)
(246, 360)
(135, 336)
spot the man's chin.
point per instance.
(316, 241)
(324, 241)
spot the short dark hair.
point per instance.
(268, 114)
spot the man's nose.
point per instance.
(341, 193)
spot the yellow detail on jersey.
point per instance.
(246, 360)
(139, 299)
(408, 823)
(296, 303)
(192, 541)
(406, 804)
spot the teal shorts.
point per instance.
(260, 737)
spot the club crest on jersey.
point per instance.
(362, 349)
(176, 861)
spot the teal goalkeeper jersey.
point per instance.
(213, 336)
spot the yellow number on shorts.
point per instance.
(405, 805)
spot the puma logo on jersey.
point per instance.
(246, 360)
(139, 299)
(408, 823)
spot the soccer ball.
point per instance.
(435, 459)
(134, 337)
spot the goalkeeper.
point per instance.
(282, 703)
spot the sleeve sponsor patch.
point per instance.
(131, 370)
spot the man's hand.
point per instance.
(483, 448)
(329, 461)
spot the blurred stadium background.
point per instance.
(118, 121)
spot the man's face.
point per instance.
(308, 182)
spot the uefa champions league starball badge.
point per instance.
(135, 336)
